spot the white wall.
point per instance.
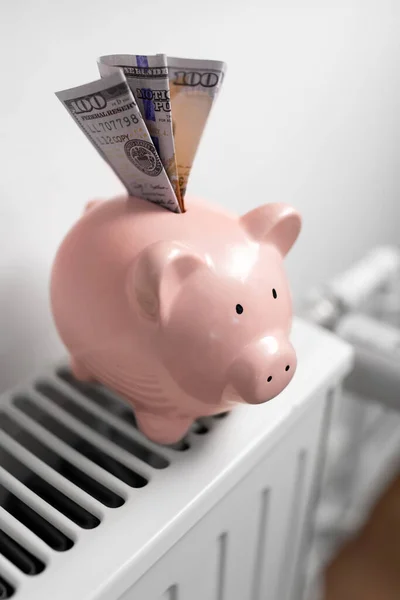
(309, 114)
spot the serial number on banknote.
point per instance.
(112, 124)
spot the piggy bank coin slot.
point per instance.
(79, 444)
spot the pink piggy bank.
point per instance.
(183, 315)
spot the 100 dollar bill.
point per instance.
(194, 86)
(106, 112)
(147, 76)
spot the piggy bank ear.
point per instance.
(276, 223)
(156, 276)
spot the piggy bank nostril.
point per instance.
(287, 367)
(269, 379)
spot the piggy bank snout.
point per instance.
(263, 370)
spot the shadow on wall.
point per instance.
(27, 333)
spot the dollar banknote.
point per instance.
(147, 76)
(194, 86)
(107, 113)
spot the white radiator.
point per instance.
(91, 510)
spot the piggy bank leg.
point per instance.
(162, 429)
(79, 371)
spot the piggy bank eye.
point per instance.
(275, 295)
(239, 309)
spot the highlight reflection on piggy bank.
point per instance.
(183, 315)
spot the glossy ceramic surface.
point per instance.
(183, 315)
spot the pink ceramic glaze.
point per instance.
(184, 315)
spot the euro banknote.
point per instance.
(107, 113)
(147, 77)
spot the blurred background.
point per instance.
(308, 114)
